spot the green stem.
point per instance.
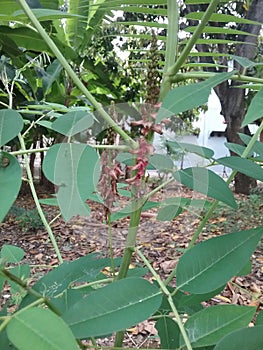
(172, 71)
(73, 75)
(171, 51)
(204, 75)
(36, 200)
(169, 296)
(23, 284)
(127, 255)
(45, 149)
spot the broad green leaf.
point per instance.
(259, 320)
(11, 123)
(84, 269)
(73, 122)
(257, 147)
(171, 207)
(211, 263)
(37, 328)
(185, 301)
(190, 96)
(243, 61)
(211, 324)
(243, 339)
(169, 212)
(161, 162)
(11, 253)
(74, 168)
(113, 308)
(51, 75)
(254, 111)
(174, 146)
(223, 30)
(234, 147)
(64, 301)
(221, 17)
(5, 343)
(244, 166)
(206, 182)
(168, 332)
(10, 182)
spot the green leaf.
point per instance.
(244, 166)
(70, 297)
(74, 168)
(51, 75)
(211, 263)
(84, 269)
(11, 123)
(243, 61)
(11, 253)
(215, 322)
(206, 182)
(259, 320)
(21, 271)
(257, 147)
(221, 17)
(112, 308)
(190, 96)
(10, 182)
(37, 328)
(234, 147)
(243, 339)
(173, 146)
(72, 123)
(161, 162)
(254, 111)
(168, 332)
(169, 212)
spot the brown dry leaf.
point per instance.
(168, 266)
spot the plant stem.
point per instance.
(171, 51)
(36, 200)
(127, 255)
(30, 291)
(172, 71)
(73, 75)
(170, 299)
(204, 75)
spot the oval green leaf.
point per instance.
(11, 253)
(243, 339)
(168, 332)
(10, 182)
(72, 123)
(84, 269)
(113, 308)
(74, 168)
(211, 263)
(244, 166)
(211, 324)
(37, 328)
(11, 123)
(208, 183)
(254, 111)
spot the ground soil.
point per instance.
(161, 242)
